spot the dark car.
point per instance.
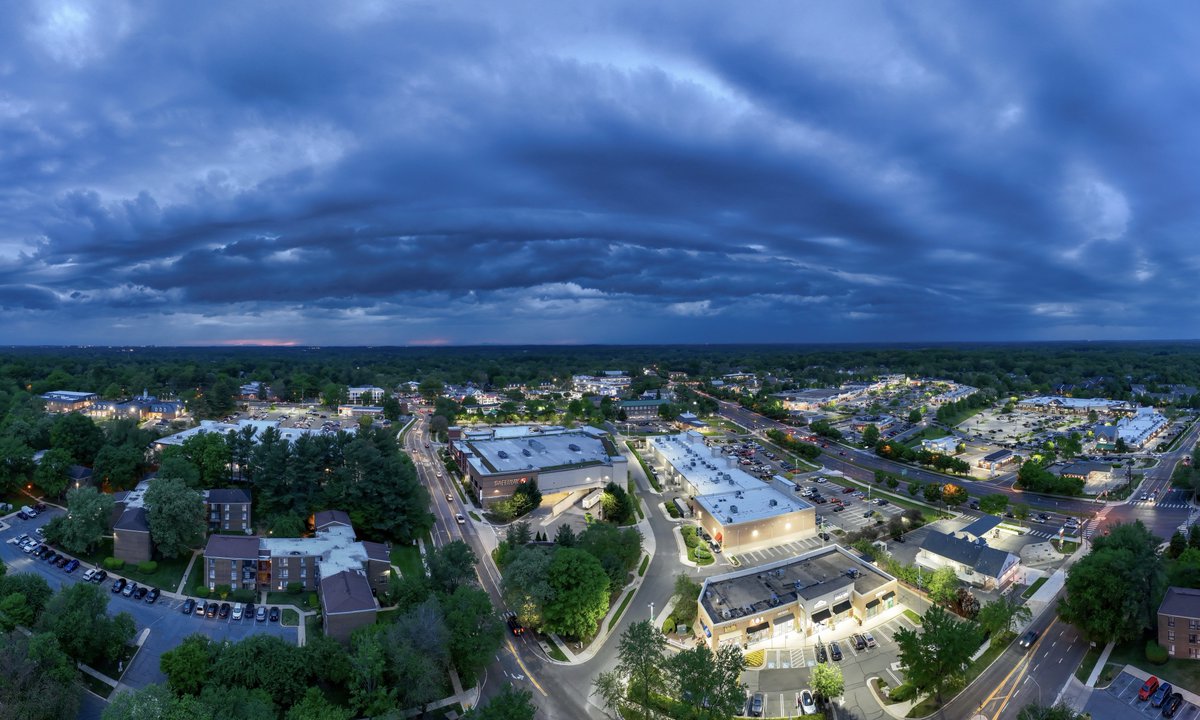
(847, 490)
(52, 556)
(1161, 695)
(62, 561)
(119, 585)
(510, 618)
(274, 614)
(860, 643)
(23, 515)
(1028, 639)
(839, 508)
(756, 705)
(210, 610)
(224, 611)
(100, 576)
(248, 613)
(824, 536)
(835, 652)
(821, 656)
(188, 606)
(1171, 706)
(152, 596)
(40, 507)
(71, 566)
(899, 538)
(140, 593)
(868, 513)
(881, 501)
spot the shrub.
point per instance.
(1155, 653)
(313, 600)
(201, 591)
(295, 588)
(902, 693)
(111, 563)
(147, 567)
(222, 591)
(690, 538)
(668, 625)
(702, 553)
(672, 510)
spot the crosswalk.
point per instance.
(1165, 506)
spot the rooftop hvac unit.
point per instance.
(526, 452)
(773, 503)
(503, 454)
(733, 509)
(728, 520)
(574, 448)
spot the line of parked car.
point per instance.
(860, 641)
(1161, 696)
(224, 610)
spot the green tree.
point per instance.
(118, 465)
(51, 474)
(1185, 571)
(391, 408)
(509, 704)
(15, 610)
(33, 588)
(687, 594)
(451, 566)
(1111, 591)
(1194, 536)
(640, 656)
(914, 416)
(941, 585)
(333, 395)
(1002, 614)
(827, 680)
(175, 513)
(175, 465)
(1061, 711)
(1178, 544)
(16, 463)
(710, 684)
(79, 436)
(239, 703)
(617, 549)
(565, 536)
(155, 702)
(77, 617)
(39, 679)
(870, 435)
(189, 664)
(580, 593)
(525, 584)
(611, 689)
(369, 689)
(932, 492)
(314, 706)
(475, 631)
(1020, 511)
(86, 521)
(937, 655)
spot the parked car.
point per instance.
(188, 606)
(847, 490)
(824, 536)
(860, 643)
(881, 501)
(261, 615)
(237, 611)
(839, 508)
(808, 703)
(52, 556)
(1162, 694)
(1171, 706)
(62, 561)
(835, 651)
(22, 515)
(821, 657)
(71, 565)
(152, 596)
(274, 614)
(868, 513)
(1148, 688)
(119, 585)
(140, 593)
(89, 574)
(870, 639)
(130, 589)
(40, 507)
(756, 705)
(100, 576)
(211, 610)
(248, 612)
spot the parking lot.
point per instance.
(168, 625)
(787, 670)
(1120, 701)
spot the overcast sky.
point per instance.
(503, 172)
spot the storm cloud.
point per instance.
(417, 172)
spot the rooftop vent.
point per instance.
(773, 503)
(526, 452)
(733, 508)
(574, 448)
(503, 454)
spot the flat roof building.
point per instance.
(289, 434)
(58, 401)
(1055, 403)
(803, 595)
(560, 460)
(737, 509)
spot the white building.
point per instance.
(365, 395)
(944, 445)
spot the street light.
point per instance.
(652, 613)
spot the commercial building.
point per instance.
(1179, 623)
(228, 510)
(345, 571)
(803, 595)
(954, 394)
(258, 427)
(142, 407)
(998, 459)
(61, 401)
(944, 445)
(816, 398)
(498, 461)
(1137, 431)
(364, 395)
(738, 510)
(611, 383)
(642, 409)
(968, 554)
(1088, 471)
(1078, 406)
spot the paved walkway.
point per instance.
(187, 572)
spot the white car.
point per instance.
(89, 574)
(460, 519)
(237, 611)
(808, 704)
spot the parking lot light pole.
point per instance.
(651, 613)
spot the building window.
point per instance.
(1171, 636)
(283, 573)
(1192, 638)
(1170, 621)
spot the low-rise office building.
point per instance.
(1077, 406)
(646, 409)
(257, 427)
(498, 461)
(1179, 623)
(1137, 431)
(944, 445)
(346, 572)
(801, 596)
(142, 407)
(738, 510)
(1088, 471)
(62, 401)
(365, 395)
(968, 554)
(997, 460)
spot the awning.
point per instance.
(889, 596)
(841, 608)
(873, 603)
(783, 620)
(821, 616)
(757, 628)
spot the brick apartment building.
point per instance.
(346, 572)
(228, 511)
(1179, 623)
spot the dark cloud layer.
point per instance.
(625, 172)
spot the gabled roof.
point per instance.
(232, 547)
(981, 558)
(347, 592)
(376, 551)
(235, 495)
(981, 525)
(1181, 602)
(133, 519)
(325, 518)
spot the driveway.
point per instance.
(168, 625)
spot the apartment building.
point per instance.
(1179, 623)
(228, 511)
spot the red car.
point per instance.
(1148, 688)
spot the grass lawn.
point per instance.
(290, 617)
(1029, 591)
(929, 433)
(621, 609)
(123, 660)
(555, 651)
(896, 498)
(408, 559)
(637, 504)
(1089, 662)
(912, 616)
(387, 616)
(304, 600)
(645, 564)
(312, 625)
(165, 577)
(960, 417)
(474, 517)
(1182, 672)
